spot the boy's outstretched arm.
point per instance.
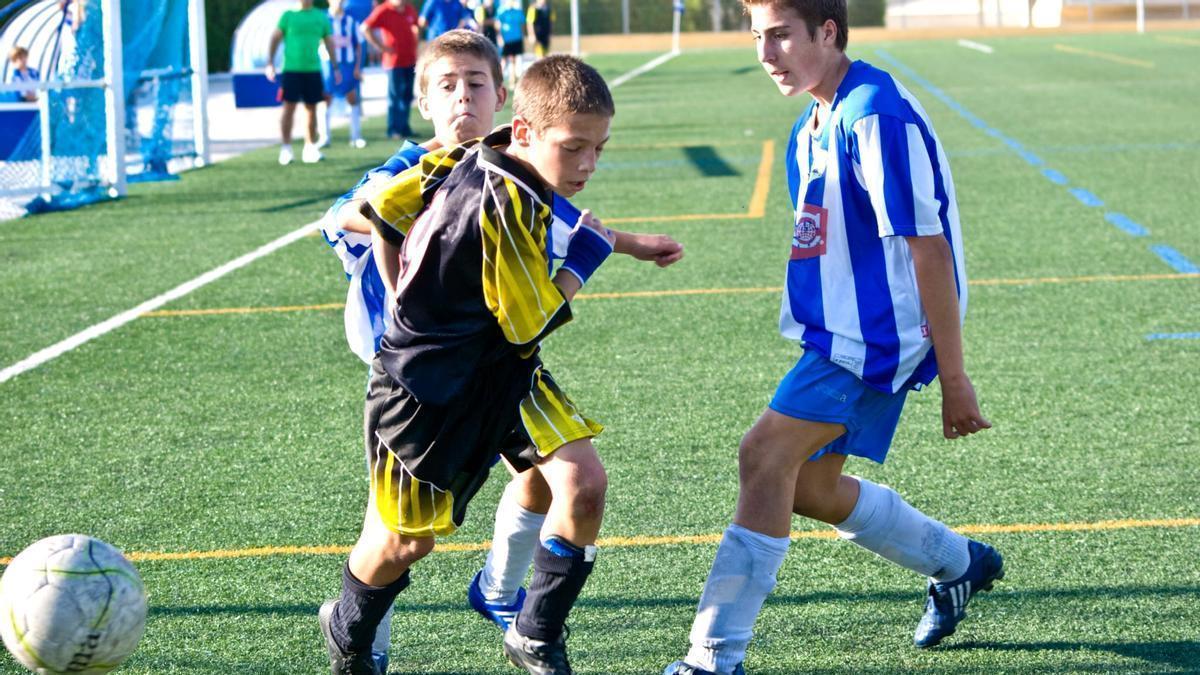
(660, 249)
(935, 282)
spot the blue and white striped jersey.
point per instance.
(868, 174)
(346, 37)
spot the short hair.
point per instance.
(558, 86)
(814, 13)
(18, 53)
(459, 42)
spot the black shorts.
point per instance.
(306, 87)
(515, 48)
(427, 461)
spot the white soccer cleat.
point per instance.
(311, 154)
(323, 142)
(285, 155)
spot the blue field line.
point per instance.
(1169, 255)
(1055, 176)
(1122, 221)
(1175, 259)
(1173, 336)
(1086, 198)
(1079, 149)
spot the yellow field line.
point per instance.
(643, 541)
(1107, 57)
(756, 209)
(698, 291)
(1177, 40)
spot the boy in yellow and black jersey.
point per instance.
(468, 240)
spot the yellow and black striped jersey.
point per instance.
(474, 287)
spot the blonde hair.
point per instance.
(459, 42)
(558, 86)
(18, 53)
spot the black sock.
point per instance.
(558, 577)
(359, 610)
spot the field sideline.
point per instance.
(215, 438)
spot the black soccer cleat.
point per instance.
(537, 657)
(340, 662)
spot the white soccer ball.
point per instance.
(71, 604)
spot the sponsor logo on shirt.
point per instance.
(809, 236)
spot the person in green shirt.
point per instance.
(302, 31)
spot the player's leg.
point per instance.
(496, 592)
(352, 100)
(556, 437)
(561, 565)
(753, 547)
(404, 99)
(326, 128)
(286, 119)
(878, 519)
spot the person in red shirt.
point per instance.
(396, 22)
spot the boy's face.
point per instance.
(795, 61)
(564, 154)
(460, 98)
(19, 61)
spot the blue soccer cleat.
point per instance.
(946, 605)
(498, 613)
(681, 668)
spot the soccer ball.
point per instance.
(71, 604)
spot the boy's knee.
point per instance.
(757, 454)
(402, 549)
(588, 494)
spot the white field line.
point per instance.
(38, 358)
(977, 46)
(56, 350)
(642, 69)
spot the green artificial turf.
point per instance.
(232, 431)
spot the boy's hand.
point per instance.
(960, 411)
(659, 249)
(590, 245)
(270, 72)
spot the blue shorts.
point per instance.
(348, 83)
(818, 390)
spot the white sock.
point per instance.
(742, 576)
(356, 121)
(324, 133)
(514, 540)
(882, 522)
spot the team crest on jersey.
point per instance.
(809, 236)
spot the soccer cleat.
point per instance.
(682, 668)
(344, 663)
(311, 154)
(323, 141)
(537, 657)
(498, 613)
(285, 155)
(947, 602)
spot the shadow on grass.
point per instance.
(1002, 595)
(1182, 654)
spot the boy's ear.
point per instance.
(423, 107)
(501, 97)
(521, 131)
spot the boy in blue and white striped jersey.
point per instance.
(347, 42)
(875, 284)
